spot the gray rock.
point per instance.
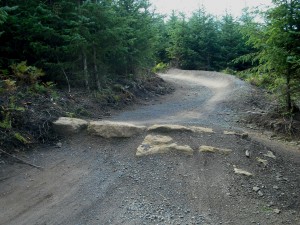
(247, 153)
(110, 129)
(157, 144)
(260, 193)
(277, 211)
(172, 127)
(270, 155)
(256, 189)
(210, 149)
(67, 125)
(242, 172)
(59, 145)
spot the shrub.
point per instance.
(160, 67)
(26, 74)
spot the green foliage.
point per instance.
(7, 85)
(82, 112)
(7, 111)
(79, 42)
(6, 122)
(275, 64)
(26, 74)
(70, 114)
(160, 67)
(229, 71)
(203, 42)
(21, 138)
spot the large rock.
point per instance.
(210, 149)
(173, 127)
(202, 129)
(67, 125)
(110, 129)
(168, 128)
(157, 144)
(242, 135)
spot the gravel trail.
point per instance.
(200, 98)
(92, 180)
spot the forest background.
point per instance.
(104, 46)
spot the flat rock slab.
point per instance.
(242, 172)
(168, 128)
(262, 161)
(110, 129)
(172, 127)
(67, 125)
(242, 135)
(202, 129)
(270, 155)
(210, 149)
(157, 144)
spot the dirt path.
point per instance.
(91, 180)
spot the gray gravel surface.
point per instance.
(91, 180)
(205, 98)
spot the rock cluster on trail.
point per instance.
(67, 125)
(108, 129)
(111, 129)
(155, 144)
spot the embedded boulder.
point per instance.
(165, 128)
(110, 129)
(168, 128)
(67, 125)
(157, 144)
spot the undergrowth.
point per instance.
(28, 106)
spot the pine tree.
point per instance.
(277, 43)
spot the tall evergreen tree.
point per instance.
(277, 42)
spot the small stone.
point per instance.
(59, 145)
(262, 161)
(242, 172)
(275, 187)
(256, 189)
(260, 194)
(270, 155)
(247, 153)
(277, 211)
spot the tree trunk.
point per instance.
(96, 69)
(67, 79)
(288, 91)
(85, 71)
